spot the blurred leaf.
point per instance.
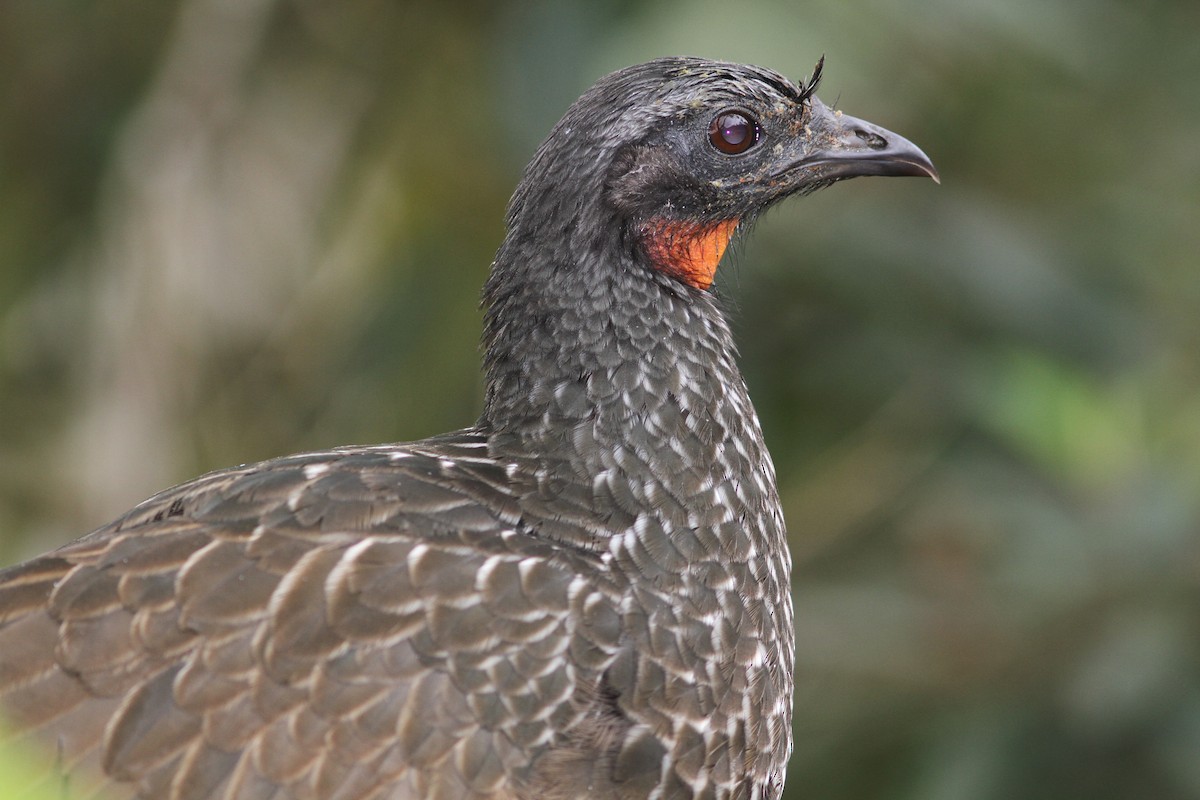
(1064, 420)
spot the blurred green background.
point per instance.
(235, 230)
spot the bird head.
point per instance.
(672, 155)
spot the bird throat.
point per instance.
(685, 250)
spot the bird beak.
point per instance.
(847, 147)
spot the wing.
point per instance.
(353, 624)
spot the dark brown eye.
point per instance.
(733, 132)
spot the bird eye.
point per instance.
(733, 132)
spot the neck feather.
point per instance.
(592, 357)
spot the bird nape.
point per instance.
(584, 594)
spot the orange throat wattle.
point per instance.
(687, 251)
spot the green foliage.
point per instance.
(27, 773)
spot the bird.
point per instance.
(586, 593)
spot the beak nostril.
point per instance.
(855, 147)
(872, 140)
